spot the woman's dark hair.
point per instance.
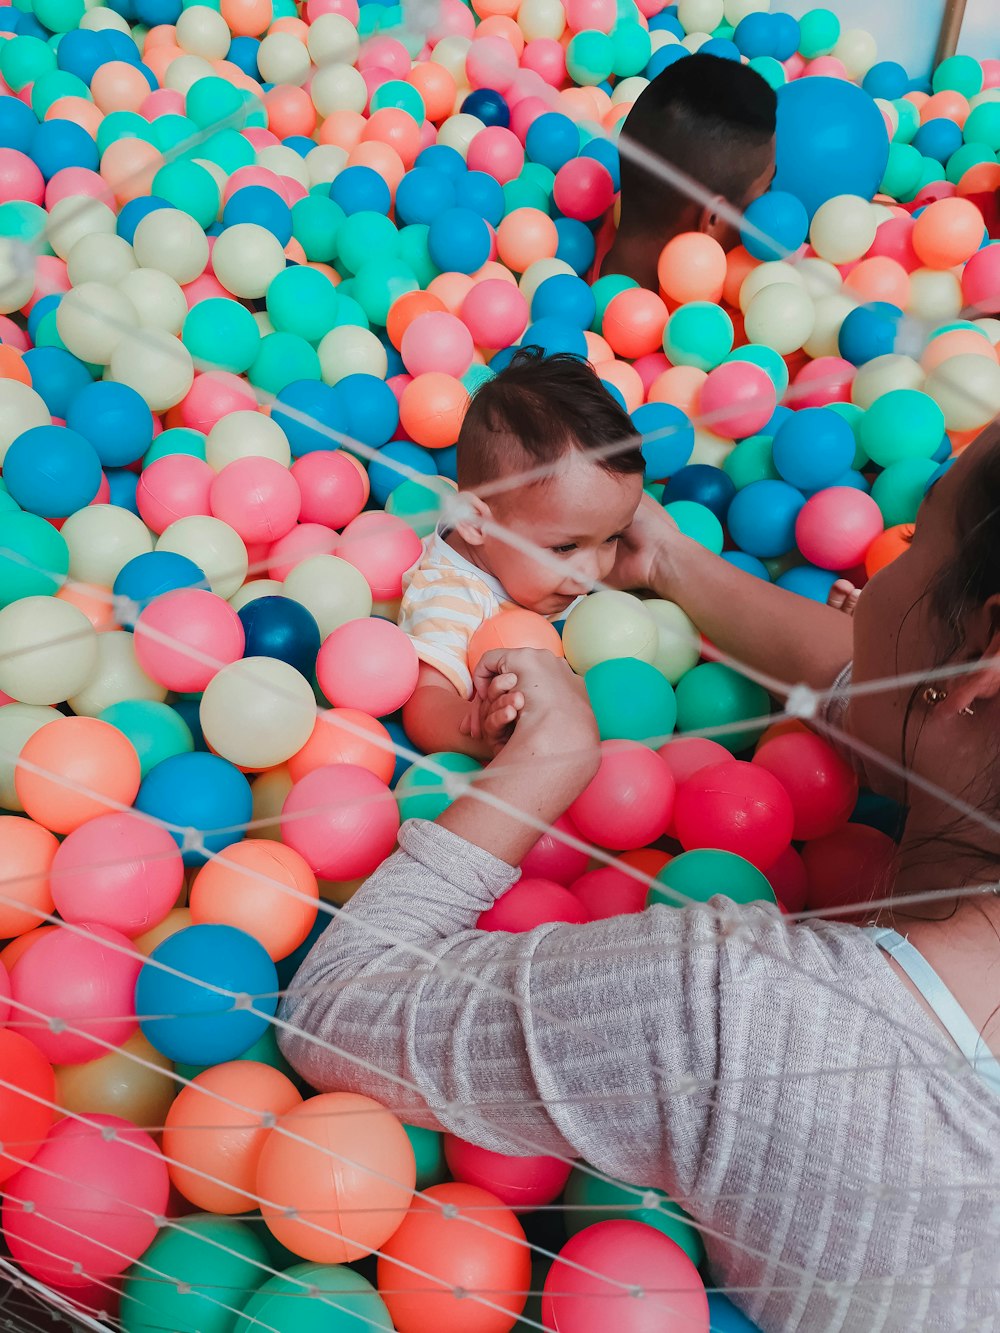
(536, 410)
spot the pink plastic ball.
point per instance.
(86, 1205)
(531, 903)
(184, 637)
(332, 488)
(829, 67)
(822, 786)
(12, 335)
(523, 1183)
(600, 15)
(304, 540)
(85, 977)
(491, 63)
(981, 279)
(609, 891)
(547, 58)
(118, 870)
(738, 399)
(835, 527)
(342, 819)
(590, 1287)
(4, 995)
(258, 497)
(348, 9)
(826, 380)
(453, 19)
(51, 278)
(205, 287)
(629, 801)
(77, 180)
(20, 178)
(498, 152)
(382, 548)
(583, 189)
(525, 111)
(370, 665)
(212, 396)
(173, 487)
(894, 240)
(735, 808)
(495, 312)
(437, 341)
(553, 858)
(385, 53)
(162, 102)
(991, 74)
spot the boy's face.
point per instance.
(575, 517)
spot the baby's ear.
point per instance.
(471, 515)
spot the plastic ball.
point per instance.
(629, 801)
(73, 770)
(495, 313)
(52, 471)
(184, 994)
(514, 628)
(367, 664)
(713, 695)
(737, 399)
(698, 334)
(522, 1183)
(821, 784)
(51, 650)
(813, 448)
(762, 517)
(774, 226)
(843, 229)
(342, 819)
(261, 887)
(726, 806)
(608, 625)
(200, 794)
(279, 699)
(278, 626)
(835, 527)
(967, 389)
(382, 548)
(631, 701)
(594, 1198)
(332, 590)
(831, 141)
(28, 851)
(477, 1245)
(667, 438)
(553, 857)
(27, 1100)
(851, 866)
(901, 424)
(697, 876)
(437, 341)
(340, 1297)
(184, 637)
(430, 785)
(531, 903)
(116, 421)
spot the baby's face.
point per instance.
(575, 518)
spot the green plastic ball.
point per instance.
(699, 523)
(698, 334)
(476, 376)
(315, 1298)
(364, 237)
(751, 461)
(591, 1199)
(25, 60)
(694, 877)
(123, 125)
(770, 70)
(415, 253)
(316, 222)
(959, 74)
(819, 33)
(348, 311)
(605, 290)
(222, 334)
(171, 133)
(418, 503)
(932, 171)
(228, 149)
(215, 103)
(50, 87)
(540, 174)
(21, 221)
(191, 188)
(402, 96)
(903, 423)
(34, 558)
(632, 701)
(900, 489)
(522, 193)
(176, 440)
(302, 301)
(281, 359)
(206, 1267)
(908, 120)
(983, 126)
(590, 57)
(59, 15)
(421, 792)
(903, 171)
(428, 1149)
(379, 283)
(969, 155)
(853, 415)
(714, 695)
(630, 48)
(156, 730)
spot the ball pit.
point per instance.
(254, 259)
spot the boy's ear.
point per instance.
(711, 221)
(474, 514)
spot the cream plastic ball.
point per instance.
(274, 695)
(735, 11)
(98, 20)
(858, 51)
(17, 274)
(116, 678)
(333, 39)
(768, 275)
(535, 274)
(678, 646)
(157, 298)
(819, 277)
(830, 312)
(325, 162)
(606, 625)
(967, 392)
(459, 131)
(18, 722)
(710, 450)
(102, 539)
(256, 588)
(170, 241)
(541, 18)
(700, 15)
(331, 590)
(74, 217)
(213, 546)
(201, 31)
(660, 39)
(93, 319)
(349, 350)
(100, 259)
(21, 408)
(935, 295)
(183, 73)
(282, 58)
(338, 88)
(451, 52)
(989, 326)
(843, 228)
(883, 374)
(781, 317)
(269, 793)
(155, 364)
(284, 162)
(246, 258)
(217, 174)
(246, 435)
(264, 325)
(49, 650)
(694, 41)
(629, 90)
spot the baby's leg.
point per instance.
(844, 596)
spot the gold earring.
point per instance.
(932, 695)
(967, 711)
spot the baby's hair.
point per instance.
(712, 118)
(535, 411)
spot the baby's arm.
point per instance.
(436, 717)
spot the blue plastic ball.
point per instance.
(447, 462)
(667, 438)
(554, 335)
(576, 246)
(57, 376)
(813, 448)
(869, 331)
(360, 190)
(489, 106)
(243, 54)
(754, 35)
(664, 58)
(439, 157)
(748, 563)
(938, 138)
(724, 1317)
(204, 1026)
(115, 419)
(459, 240)
(481, 193)
(831, 140)
(783, 221)
(61, 143)
(146, 577)
(257, 204)
(123, 486)
(705, 485)
(366, 410)
(282, 628)
(301, 143)
(40, 309)
(762, 516)
(605, 152)
(667, 21)
(301, 410)
(785, 36)
(722, 48)
(854, 480)
(18, 125)
(134, 212)
(565, 297)
(423, 194)
(52, 471)
(198, 792)
(808, 581)
(886, 79)
(552, 140)
(384, 478)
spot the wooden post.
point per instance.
(951, 28)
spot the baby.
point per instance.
(550, 475)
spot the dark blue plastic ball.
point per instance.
(705, 485)
(446, 461)
(281, 627)
(39, 310)
(667, 438)
(667, 21)
(726, 1318)
(82, 53)
(360, 190)
(489, 106)
(762, 516)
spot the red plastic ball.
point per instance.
(853, 865)
(531, 903)
(629, 802)
(27, 1100)
(552, 858)
(788, 878)
(523, 1183)
(735, 807)
(822, 785)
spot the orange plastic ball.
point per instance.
(946, 105)
(436, 86)
(887, 547)
(405, 309)
(739, 263)
(680, 385)
(295, 27)
(451, 289)
(626, 379)
(500, 25)
(75, 769)
(343, 128)
(380, 157)
(345, 736)
(524, 236)
(119, 86)
(341, 1186)
(289, 111)
(477, 1246)
(959, 342)
(12, 365)
(634, 322)
(431, 409)
(261, 887)
(160, 59)
(20, 945)
(598, 351)
(397, 130)
(980, 179)
(78, 109)
(247, 18)
(692, 267)
(516, 628)
(948, 232)
(215, 1129)
(128, 166)
(484, 8)
(294, 251)
(647, 860)
(26, 851)
(880, 279)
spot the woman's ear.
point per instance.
(981, 682)
(474, 515)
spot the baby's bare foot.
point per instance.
(844, 596)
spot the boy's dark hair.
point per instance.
(535, 411)
(713, 119)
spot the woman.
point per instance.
(788, 1084)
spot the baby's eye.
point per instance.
(611, 540)
(564, 550)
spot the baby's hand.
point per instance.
(843, 596)
(494, 710)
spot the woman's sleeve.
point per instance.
(546, 1042)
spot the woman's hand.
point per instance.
(536, 692)
(644, 549)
